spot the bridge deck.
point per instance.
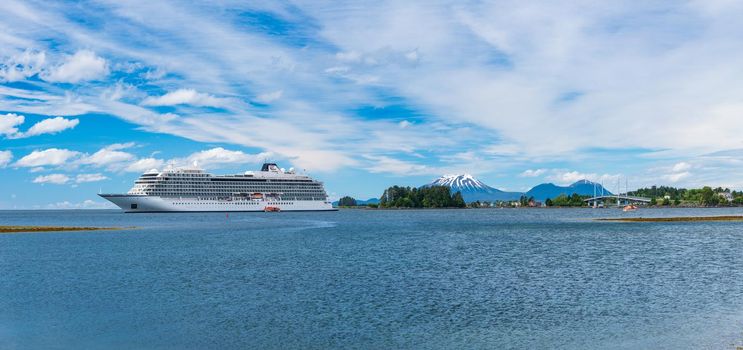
(618, 197)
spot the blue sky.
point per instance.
(367, 94)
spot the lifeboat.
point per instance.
(629, 208)
(271, 209)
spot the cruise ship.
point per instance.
(194, 190)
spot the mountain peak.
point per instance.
(583, 182)
(459, 182)
(471, 188)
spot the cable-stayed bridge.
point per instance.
(614, 199)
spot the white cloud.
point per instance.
(5, 158)
(8, 123)
(404, 124)
(547, 80)
(219, 156)
(57, 179)
(677, 173)
(154, 74)
(681, 167)
(109, 156)
(120, 146)
(186, 97)
(22, 65)
(50, 126)
(337, 69)
(240, 60)
(84, 65)
(533, 173)
(676, 177)
(570, 177)
(562, 177)
(51, 156)
(384, 164)
(80, 178)
(144, 164)
(86, 204)
(269, 97)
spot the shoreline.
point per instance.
(32, 229)
(677, 219)
(361, 207)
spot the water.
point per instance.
(433, 279)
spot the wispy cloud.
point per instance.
(86, 204)
(22, 65)
(5, 158)
(565, 177)
(497, 82)
(57, 179)
(185, 97)
(533, 173)
(269, 96)
(81, 178)
(383, 164)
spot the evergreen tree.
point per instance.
(426, 197)
(347, 202)
(709, 197)
(458, 200)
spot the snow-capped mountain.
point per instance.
(461, 182)
(473, 189)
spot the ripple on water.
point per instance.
(507, 279)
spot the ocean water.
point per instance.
(408, 279)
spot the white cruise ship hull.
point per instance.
(151, 204)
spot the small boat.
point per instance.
(271, 209)
(629, 208)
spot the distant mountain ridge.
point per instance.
(362, 202)
(473, 189)
(583, 187)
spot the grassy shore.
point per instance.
(677, 219)
(20, 229)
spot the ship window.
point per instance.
(133, 206)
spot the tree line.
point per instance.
(563, 200)
(347, 202)
(424, 197)
(441, 197)
(705, 196)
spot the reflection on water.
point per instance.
(506, 279)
